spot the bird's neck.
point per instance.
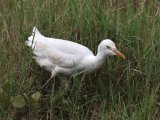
(100, 58)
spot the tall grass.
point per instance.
(121, 90)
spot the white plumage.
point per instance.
(66, 57)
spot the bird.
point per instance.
(60, 56)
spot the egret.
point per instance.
(60, 56)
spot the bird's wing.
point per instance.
(68, 46)
(61, 53)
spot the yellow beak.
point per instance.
(118, 53)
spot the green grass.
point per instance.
(121, 90)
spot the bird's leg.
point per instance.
(52, 75)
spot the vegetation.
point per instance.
(121, 90)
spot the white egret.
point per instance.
(62, 56)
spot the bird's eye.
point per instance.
(108, 47)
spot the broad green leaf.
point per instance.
(36, 96)
(18, 101)
(33, 104)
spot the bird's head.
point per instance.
(109, 47)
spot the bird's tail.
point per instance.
(36, 35)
